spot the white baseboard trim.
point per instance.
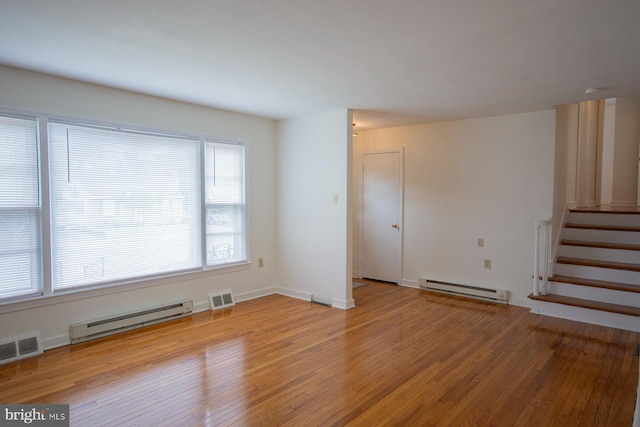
(201, 306)
(54, 342)
(343, 304)
(520, 302)
(246, 296)
(305, 296)
(409, 283)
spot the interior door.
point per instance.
(381, 215)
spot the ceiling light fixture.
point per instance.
(591, 90)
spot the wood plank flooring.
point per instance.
(401, 357)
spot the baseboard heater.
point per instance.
(110, 325)
(486, 294)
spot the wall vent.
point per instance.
(220, 300)
(20, 348)
(110, 325)
(486, 294)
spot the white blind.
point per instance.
(19, 208)
(225, 203)
(124, 205)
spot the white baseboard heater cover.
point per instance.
(486, 294)
(123, 322)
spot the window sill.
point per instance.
(75, 295)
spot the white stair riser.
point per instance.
(599, 254)
(631, 299)
(586, 315)
(587, 235)
(631, 220)
(597, 273)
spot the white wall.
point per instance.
(564, 190)
(625, 165)
(589, 144)
(314, 237)
(34, 92)
(608, 138)
(482, 178)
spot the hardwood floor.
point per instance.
(401, 357)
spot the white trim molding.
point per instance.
(293, 293)
(343, 304)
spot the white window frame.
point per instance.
(36, 209)
(206, 205)
(50, 296)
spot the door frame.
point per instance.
(400, 247)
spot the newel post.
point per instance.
(536, 263)
(545, 225)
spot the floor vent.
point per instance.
(110, 325)
(220, 300)
(486, 294)
(20, 348)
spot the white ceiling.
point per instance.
(394, 62)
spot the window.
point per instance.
(123, 206)
(225, 213)
(19, 208)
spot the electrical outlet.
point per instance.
(481, 243)
(487, 264)
(334, 199)
(260, 262)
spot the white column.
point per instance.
(545, 257)
(536, 262)
(545, 226)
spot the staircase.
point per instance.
(596, 271)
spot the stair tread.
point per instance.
(596, 283)
(602, 227)
(594, 305)
(604, 245)
(597, 263)
(629, 210)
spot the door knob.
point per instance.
(394, 226)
